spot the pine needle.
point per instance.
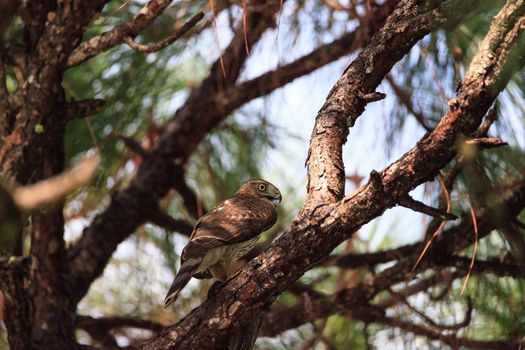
(115, 12)
(438, 230)
(211, 4)
(93, 137)
(244, 27)
(279, 19)
(475, 224)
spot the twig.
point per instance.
(486, 142)
(192, 202)
(430, 321)
(419, 286)
(83, 108)
(436, 232)
(113, 37)
(166, 41)
(132, 144)
(372, 97)
(492, 116)
(405, 99)
(162, 219)
(409, 202)
(221, 61)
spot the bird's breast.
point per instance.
(235, 251)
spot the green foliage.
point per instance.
(500, 306)
(344, 332)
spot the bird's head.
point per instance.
(261, 188)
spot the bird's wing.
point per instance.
(235, 220)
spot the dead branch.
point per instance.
(53, 189)
(409, 202)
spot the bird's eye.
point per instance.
(262, 187)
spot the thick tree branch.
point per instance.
(346, 101)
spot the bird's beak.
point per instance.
(277, 199)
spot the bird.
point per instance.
(226, 233)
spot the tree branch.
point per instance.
(355, 260)
(166, 41)
(107, 323)
(166, 221)
(83, 108)
(409, 202)
(105, 41)
(494, 266)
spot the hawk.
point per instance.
(226, 233)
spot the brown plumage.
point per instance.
(226, 233)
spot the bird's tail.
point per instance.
(187, 270)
